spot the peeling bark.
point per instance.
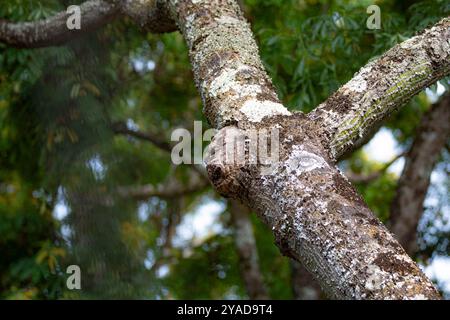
(316, 215)
(407, 206)
(247, 251)
(382, 86)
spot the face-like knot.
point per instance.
(225, 157)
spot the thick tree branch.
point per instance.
(315, 214)
(407, 206)
(247, 251)
(54, 31)
(150, 15)
(382, 86)
(220, 41)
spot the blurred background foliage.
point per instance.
(61, 161)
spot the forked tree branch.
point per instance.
(315, 214)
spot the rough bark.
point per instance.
(382, 86)
(407, 206)
(54, 31)
(247, 251)
(315, 214)
(150, 15)
(304, 286)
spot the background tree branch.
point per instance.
(407, 207)
(247, 251)
(151, 16)
(53, 31)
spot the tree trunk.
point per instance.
(316, 215)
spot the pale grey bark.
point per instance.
(228, 71)
(150, 15)
(316, 215)
(54, 31)
(247, 251)
(407, 207)
(382, 86)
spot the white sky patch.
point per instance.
(149, 260)
(383, 148)
(143, 212)
(199, 224)
(151, 65)
(61, 210)
(97, 167)
(132, 125)
(143, 65)
(397, 166)
(66, 233)
(162, 271)
(439, 269)
(434, 97)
